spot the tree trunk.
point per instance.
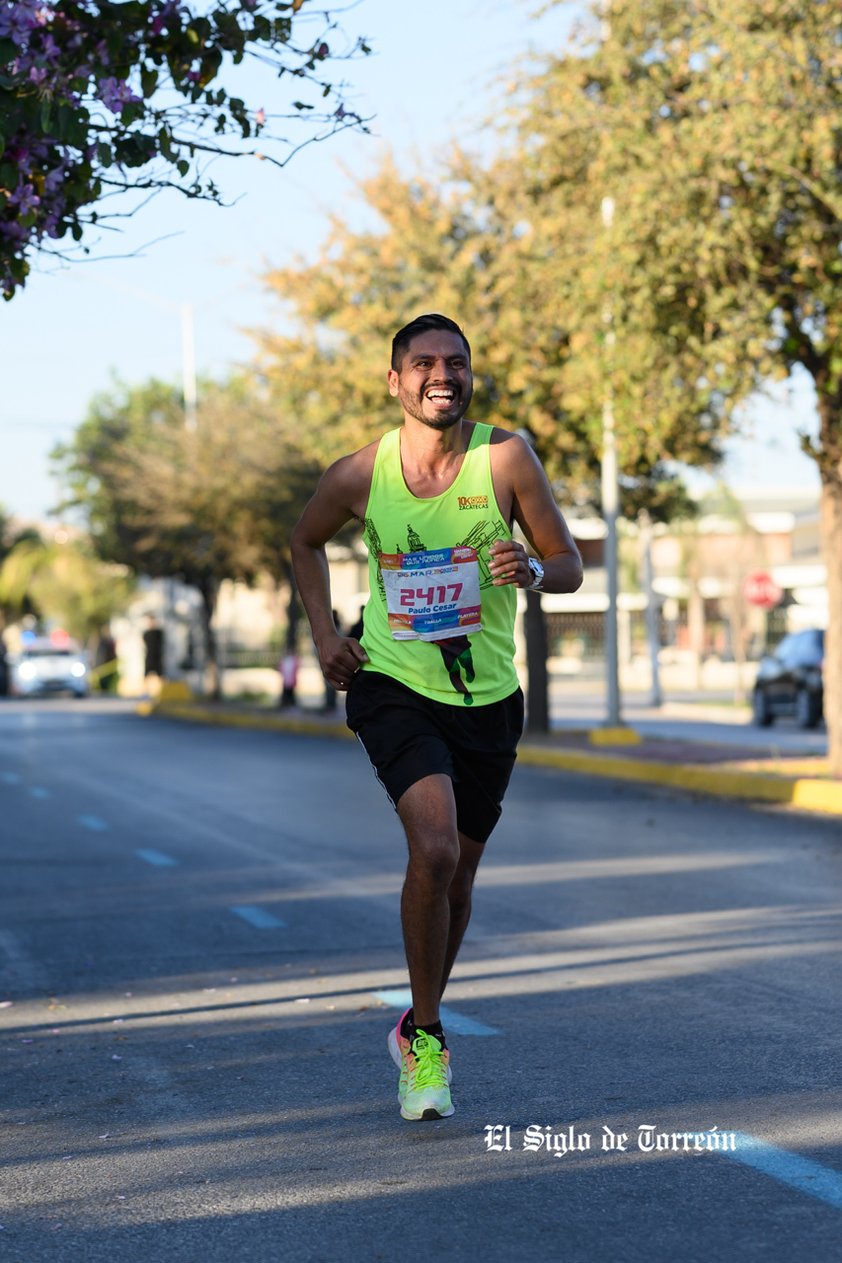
(293, 611)
(209, 590)
(289, 658)
(831, 519)
(829, 457)
(537, 689)
(696, 629)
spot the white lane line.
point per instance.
(94, 823)
(456, 1022)
(799, 1173)
(158, 858)
(38, 791)
(258, 917)
(10, 778)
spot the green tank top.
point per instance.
(434, 620)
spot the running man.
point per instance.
(432, 691)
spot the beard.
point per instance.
(446, 418)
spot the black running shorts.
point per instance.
(408, 736)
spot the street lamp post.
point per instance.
(610, 508)
(188, 366)
(653, 635)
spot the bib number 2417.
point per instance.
(432, 595)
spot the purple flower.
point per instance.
(115, 93)
(13, 231)
(54, 179)
(17, 21)
(25, 199)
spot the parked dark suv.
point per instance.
(789, 680)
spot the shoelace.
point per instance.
(430, 1071)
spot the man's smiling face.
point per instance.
(434, 384)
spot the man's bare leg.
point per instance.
(436, 900)
(428, 813)
(459, 897)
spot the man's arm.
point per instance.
(341, 489)
(539, 517)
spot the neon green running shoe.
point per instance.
(423, 1091)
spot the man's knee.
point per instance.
(434, 856)
(428, 814)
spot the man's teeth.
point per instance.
(440, 394)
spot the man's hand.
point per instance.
(340, 658)
(509, 564)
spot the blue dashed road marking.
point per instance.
(456, 1022)
(258, 917)
(156, 857)
(799, 1173)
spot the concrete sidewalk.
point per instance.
(621, 754)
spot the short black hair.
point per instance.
(423, 324)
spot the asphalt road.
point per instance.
(194, 924)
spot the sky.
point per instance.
(436, 75)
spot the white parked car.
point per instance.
(42, 667)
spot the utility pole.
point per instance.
(610, 507)
(188, 366)
(653, 636)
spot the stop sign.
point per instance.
(759, 588)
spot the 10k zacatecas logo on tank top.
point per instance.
(456, 650)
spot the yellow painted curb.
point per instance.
(175, 691)
(806, 793)
(199, 713)
(614, 737)
(816, 795)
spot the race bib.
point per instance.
(432, 595)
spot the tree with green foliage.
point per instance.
(99, 98)
(457, 246)
(331, 371)
(11, 536)
(714, 129)
(66, 583)
(201, 504)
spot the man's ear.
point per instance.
(393, 378)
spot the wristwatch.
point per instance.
(537, 574)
